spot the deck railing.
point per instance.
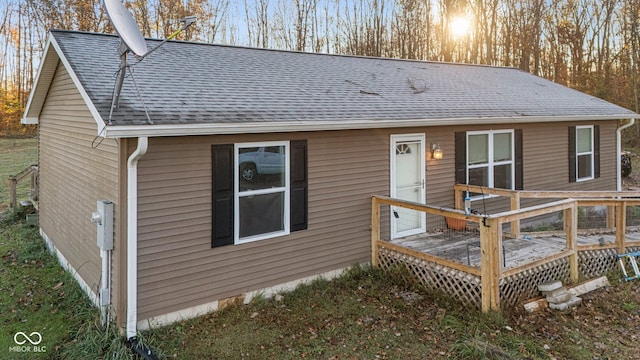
(30, 171)
(581, 252)
(517, 197)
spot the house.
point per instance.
(237, 171)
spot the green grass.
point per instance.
(36, 294)
(365, 314)
(15, 155)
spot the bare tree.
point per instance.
(142, 13)
(412, 30)
(631, 31)
(480, 44)
(365, 28)
(258, 22)
(214, 19)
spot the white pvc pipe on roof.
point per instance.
(619, 153)
(132, 236)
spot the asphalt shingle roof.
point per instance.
(187, 83)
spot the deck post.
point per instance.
(611, 217)
(490, 264)
(621, 224)
(13, 184)
(496, 249)
(515, 224)
(12, 192)
(571, 229)
(457, 199)
(35, 186)
(375, 230)
(32, 184)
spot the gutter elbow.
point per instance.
(141, 149)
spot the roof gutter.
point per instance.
(132, 236)
(619, 152)
(126, 131)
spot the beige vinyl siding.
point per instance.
(73, 176)
(179, 269)
(545, 161)
(546, 153)
(440, 175)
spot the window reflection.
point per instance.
(262, 190)
(261, 167)
(584, 152)
(490, 158)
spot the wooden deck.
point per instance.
(464, 246)
(511, 264)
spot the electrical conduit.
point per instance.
(105, 289)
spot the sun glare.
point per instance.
(460, 26)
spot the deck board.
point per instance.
(464, 246)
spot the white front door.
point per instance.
(407, 183)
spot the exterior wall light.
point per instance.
(436, 151)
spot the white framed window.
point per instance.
(490, 158)
(261, 190)
(584, 153)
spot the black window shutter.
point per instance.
(461, 157)
(596, 151)
(299, 185)
(519, 168)
(222, 192)
(572, 154)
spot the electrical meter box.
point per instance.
(103, 218)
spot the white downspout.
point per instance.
(132, 236)
(619, 153)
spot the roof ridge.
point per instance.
(246, 47)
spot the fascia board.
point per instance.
(127, 131)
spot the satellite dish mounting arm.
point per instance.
(115, 100)
(123, 50)
(187, 21)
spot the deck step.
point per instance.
(557, 296)
(580, 289)
(550, 286)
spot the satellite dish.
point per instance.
(131, 40)
(126, 26)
